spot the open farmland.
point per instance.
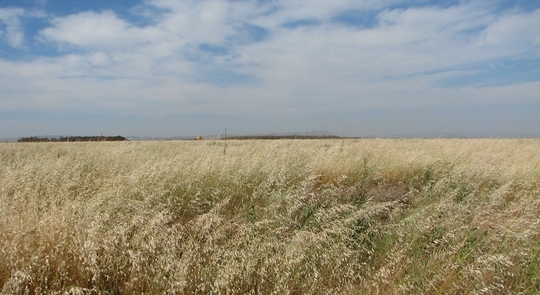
(370, 216)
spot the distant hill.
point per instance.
(148, 138)
(299, 135)
(287, 135)
(317, 133)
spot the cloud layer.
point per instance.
(262, 66)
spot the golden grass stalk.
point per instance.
(271, 217)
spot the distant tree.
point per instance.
(73, 138)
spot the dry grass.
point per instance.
(271, 217)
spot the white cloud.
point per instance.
(10, 18)
(202, 21)
(405, 42)
(90, 30)
(515, 31)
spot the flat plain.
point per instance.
(333, 216)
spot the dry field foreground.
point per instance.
(367, 216)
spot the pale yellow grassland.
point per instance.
(364, 216)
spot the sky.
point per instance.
(195, 67)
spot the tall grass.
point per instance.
(271, 217)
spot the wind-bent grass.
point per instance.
(271, 217)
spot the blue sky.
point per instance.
(196, 67)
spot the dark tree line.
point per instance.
(72, 139)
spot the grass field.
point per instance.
(370, 216)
